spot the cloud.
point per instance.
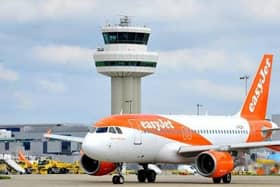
(51, 86)
(213, 90)
(263, 10)
(7, 74)
(192, 13)
(24, 100)
(64, 55)
(34, 10)
(169, 10)
(202, 60)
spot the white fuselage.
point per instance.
(141, 146)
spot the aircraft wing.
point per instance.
(65, 138)
(271, 129)
(189, 151)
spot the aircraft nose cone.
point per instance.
(88, 145)
(94, 146)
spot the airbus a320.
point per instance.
(213, 143)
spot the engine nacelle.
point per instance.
(214, 163)
(95, 167)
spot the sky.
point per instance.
(47, 71)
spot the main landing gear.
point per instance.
(226, 179)
(143, 175)
(118, 179)
(146, 174)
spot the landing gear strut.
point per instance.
(146, 174)
(118, 179)
(226, 179)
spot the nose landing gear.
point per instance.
(118, 179)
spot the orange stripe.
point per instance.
(256, 128)
(158, 125)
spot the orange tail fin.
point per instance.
(255, 105)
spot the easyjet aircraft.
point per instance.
(213, 143)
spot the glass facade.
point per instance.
(26, 146)
(125, 38)
(66, 147)
(7, 146)
(125, 63)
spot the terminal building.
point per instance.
(29, 138)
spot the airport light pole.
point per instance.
(198, 107)
(245, 77)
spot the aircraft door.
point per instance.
(137, 133)
(186, 133)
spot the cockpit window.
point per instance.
(101, 130)
(119, 130)
(112, 130)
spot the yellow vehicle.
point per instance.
(75, 168)
(48, 166)
(26, 164)
(28, 167)
(3, 168)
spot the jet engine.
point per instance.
(96, 167)
(214, 163)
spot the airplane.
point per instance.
(212, 143)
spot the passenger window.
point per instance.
(101, 130)
(112, 130)
(119, 130)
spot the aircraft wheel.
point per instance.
(227, 178)
(217, 180)
(115, 179)
(50, 171)
(118, 179)
(151, 176)
(141, 175)
(121, 179)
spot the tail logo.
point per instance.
(259, 89)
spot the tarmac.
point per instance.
(82, 180)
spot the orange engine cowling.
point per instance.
(96, 167)
(214, 163)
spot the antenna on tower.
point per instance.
(125, 20)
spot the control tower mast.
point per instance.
(126, 60)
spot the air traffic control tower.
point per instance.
(126, 60)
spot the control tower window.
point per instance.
(125, 63)
(126, 37)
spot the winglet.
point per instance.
(49, 131)
(255, 105)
